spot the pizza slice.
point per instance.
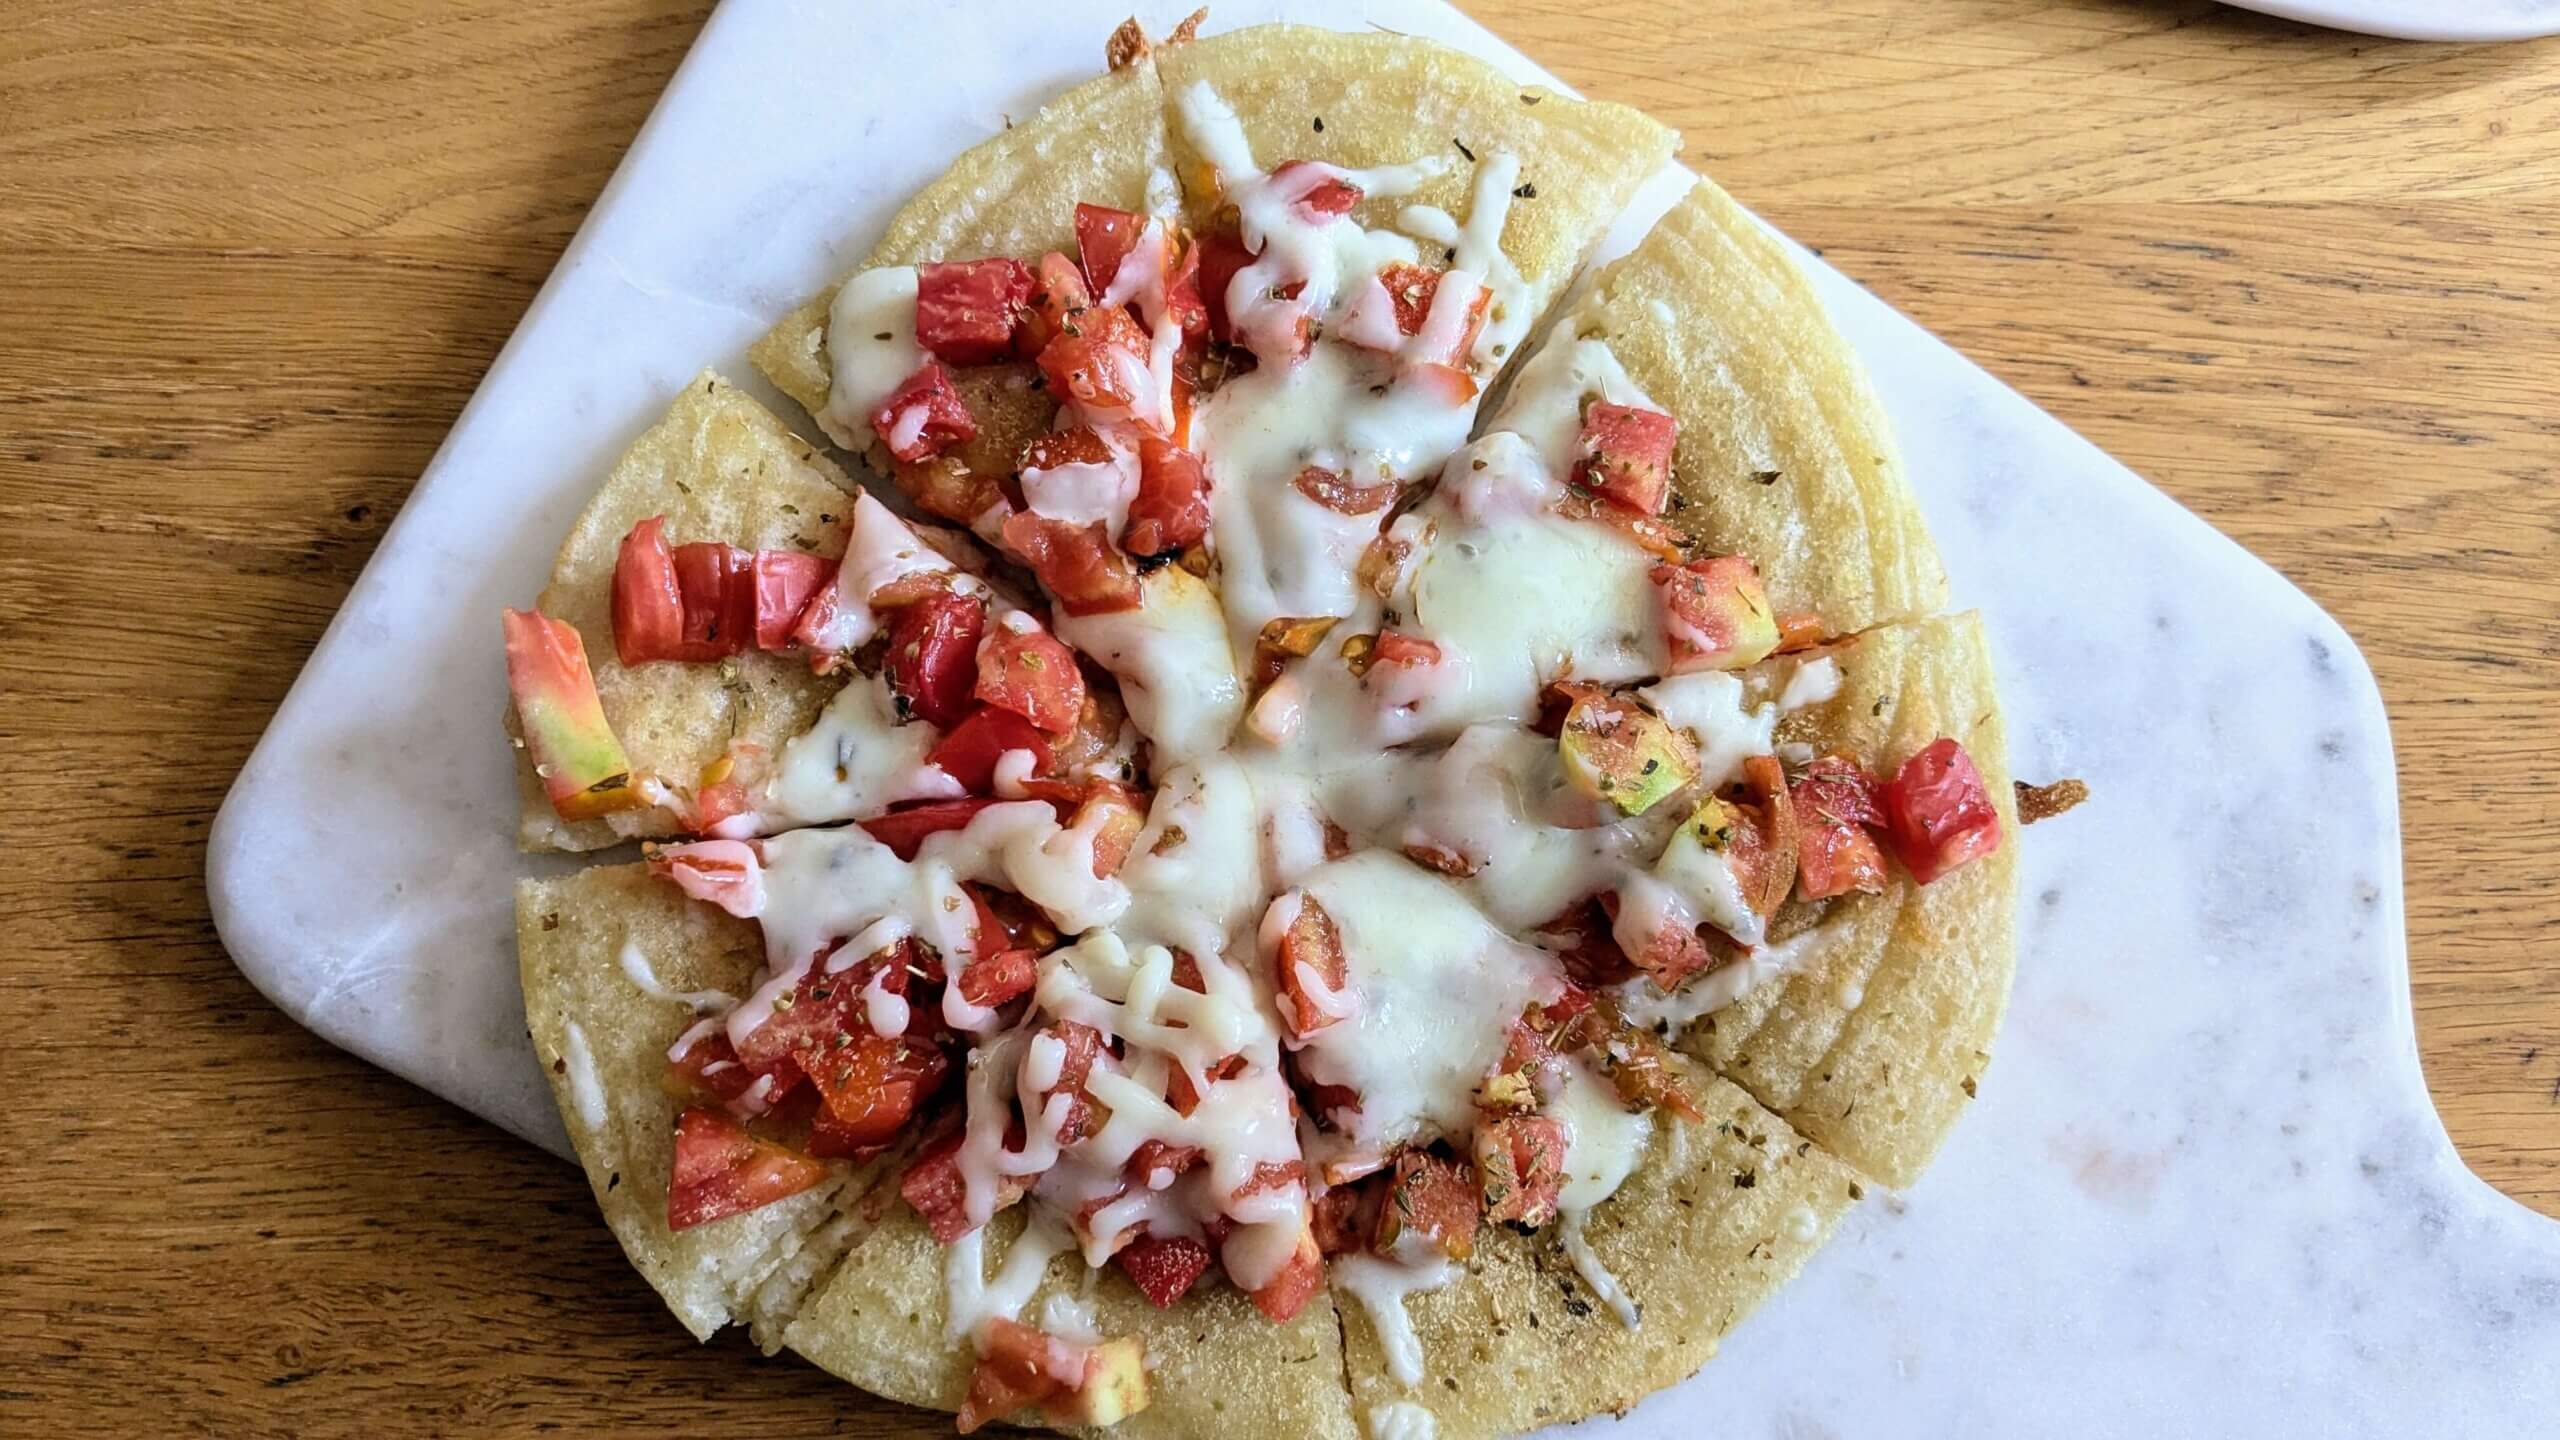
(628, 698)
(729, 1225)
(1532, 1331)
(1868, 1019)
(1782, 452)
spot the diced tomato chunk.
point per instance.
(1579, 938)
(1183, 302)
(1312, 970)
(720, 1170)
(1764, 860)
(1323, 193)
(967, 310)
(1520, 1168)
(781, 582)
(1937, 813)
(1222, 254)
(584, 769)
(1104, 238)
(1031, 673)
(872, 1084)
(1075, 445)
(1434, 1197)
(1338, 493)
(970, 752)
(648, 605)
(1017, 1367)
(1178, 1089)
(1835, 802)
(1171, 509)
(719, 598)
(1394, 647)
(1099, 362)
(904, 829)
(1075, 563)
(1626, 455)
(924, 416)
(1715, 614)
(1163, 1269)
(934, 1187)
(1058, 296)
(1343, 1218)
(933, 656)
(1799, 630)
(1287, 1293)
(1000, 978)
(825, 1011)
(1078, 1046)
(709, 1069)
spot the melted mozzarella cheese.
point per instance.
(586, 1092)
(1172, 659)
(871, 348)
(1381, 1285)
(879, 548)
(1547, 397)
(975, 1298)
(858, 759)
(635, 968)
(1084, 493)
(1603, 1139)
(1402, 1420)
(1437, 986)
(1709, 704)
(1644, 1002)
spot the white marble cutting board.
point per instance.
(2204, 1191)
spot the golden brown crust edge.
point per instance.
(1784, 453)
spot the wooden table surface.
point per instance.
(255, 255)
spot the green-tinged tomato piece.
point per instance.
(1616, 750)
(582, 765)
(1114, 1385)
(1715, 615)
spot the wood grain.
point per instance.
(254, 256)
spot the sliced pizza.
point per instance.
(1325, 908)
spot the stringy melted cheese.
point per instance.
(871, 348)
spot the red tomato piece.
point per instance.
(1099, 361)
(1222, 254)
(1104, 238)
(935, 1189)
(1446, 384)
(1322, 193)
(1182, 1095)
(1163, 1269)
(924, 416)
(871, 1084)
(1183, 302)
(709, 1069)
(1171, 509)
(824, 1010)
(1342, 1218)
(1123, 814)
(1520, 1168)
(1058, 296)
(1336, 492)
(967, 310)
(648, 606)
(1394, 647)
(1799, 630)
(1079, 1045)
(720, 1170)
(1626, 455)
(1075, 445)
(999, 979)
(1312, 970)
(933, 656)
(1017, 1367)
(719, 598)
(728, 873)
(1287, 1293)
(1834, 803)
(1436, 1197)
(1937, 813)
(1031, 673)
(1155, 1159)
(904, 829)
(1715, 613)
(1075, 563)
(780, 584)
(970, 752)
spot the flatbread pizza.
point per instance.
(1348, 854)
